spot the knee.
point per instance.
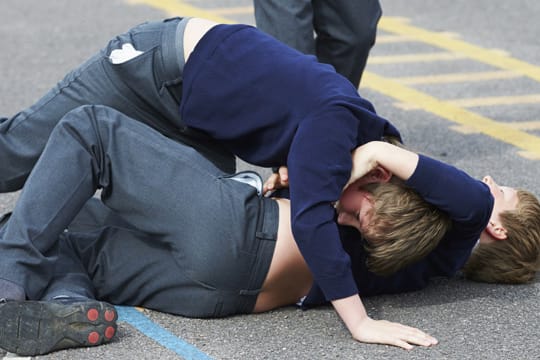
(89, 118)
(362, 32)
(88, 124)
(362, 38)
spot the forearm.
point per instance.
(351, 310)
(399, 161)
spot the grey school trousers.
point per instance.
(345, 29)
(177, 234)
(147, 88)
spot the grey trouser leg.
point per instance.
(70, 278)
(291, 22)
(345, 29)
(147, 88)
(102, 255)
(165, 190)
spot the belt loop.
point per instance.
(265, 236)
(250, 292)
(265, 212)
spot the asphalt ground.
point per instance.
(460, 79)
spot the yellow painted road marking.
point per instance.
(520, 125)
(486, 56)
(446, 110)
(465, 129)
(483, 101)
(389, 39)
(409, 58)
(458, 77)
(526, 125)
(497, 100)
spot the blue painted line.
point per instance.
(160, 335)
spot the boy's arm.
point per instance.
(319, 163)
(467, 201)
(400, 162)
(350, 309)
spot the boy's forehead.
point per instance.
(513, 197)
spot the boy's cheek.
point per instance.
(346, 201)
(348, 219)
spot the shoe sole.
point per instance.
(39, 327)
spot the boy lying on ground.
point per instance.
(176, 234)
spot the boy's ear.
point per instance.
(379, 175)
(496, 231)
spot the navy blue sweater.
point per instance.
(271, 105)
(469, 204)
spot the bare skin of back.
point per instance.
(288, 278)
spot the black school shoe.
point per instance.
(39, 327)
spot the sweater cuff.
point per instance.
(338, 287)
(423, 175)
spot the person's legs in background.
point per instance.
(340, 33)
(291, 22)
(346, 32)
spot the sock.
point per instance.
(11, 291)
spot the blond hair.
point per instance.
(516, 259)
(403, 227)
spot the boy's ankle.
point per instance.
(11, 291)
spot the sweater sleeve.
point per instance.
(319, 165)
(469, 204)
(467, 201)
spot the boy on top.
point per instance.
(226, 90)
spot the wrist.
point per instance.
(399, 161)
(375, 153)
(351, 311)
(367, 154)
